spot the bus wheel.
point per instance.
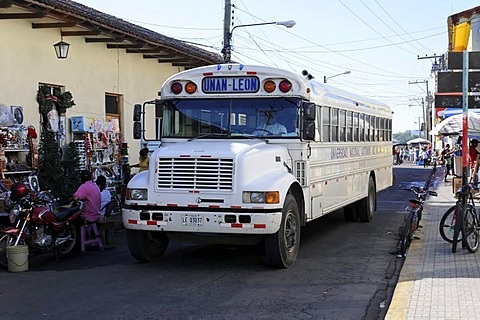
(366, 206)
(282, 247)
(147, 246)
(350, 212)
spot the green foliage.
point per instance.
(60, 176)
(46, 100)
(403, 137)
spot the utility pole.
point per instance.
(441, 65)
(435, 66)
(227, 50)
(423, 115)
(426, 113)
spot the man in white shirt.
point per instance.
(270, 128)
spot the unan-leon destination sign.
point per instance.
(230, 84)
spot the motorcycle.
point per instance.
(37, 225)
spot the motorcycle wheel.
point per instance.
(71, 232)
(6, 240)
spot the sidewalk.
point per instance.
(435, 283)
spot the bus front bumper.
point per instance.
(207, 222)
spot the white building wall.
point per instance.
(27, 58)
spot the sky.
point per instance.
(386, 45)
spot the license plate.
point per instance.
(192, 220)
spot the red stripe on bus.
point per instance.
(236, 225)
(193, 205)
(251, 72)
(260, 225)
(171, 204)
(212, 206)
(235, 207)
(131, 221)
(152, 223)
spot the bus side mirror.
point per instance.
(308, 132)
(308, 121)
(309, 111)
(137, 112)
(137, 130)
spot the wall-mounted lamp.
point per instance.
(61, 49)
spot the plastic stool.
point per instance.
(84, 241)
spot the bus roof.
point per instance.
(313, 90)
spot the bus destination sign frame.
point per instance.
(248, 84)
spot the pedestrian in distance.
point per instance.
(447, 159)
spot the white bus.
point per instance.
(254, 152)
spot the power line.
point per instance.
(400, 26)
(373, 29)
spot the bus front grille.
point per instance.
(195, 173)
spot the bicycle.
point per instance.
(413, 216)
(466, 221)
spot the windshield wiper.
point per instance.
(210, 134)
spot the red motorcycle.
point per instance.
(37, 225)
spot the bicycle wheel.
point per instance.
(406, 234)
(470, 229)
(447, 224)
(457, 227)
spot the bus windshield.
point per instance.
(272, 117)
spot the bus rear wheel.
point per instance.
(282, 247)
(147, 246)
(366, 206)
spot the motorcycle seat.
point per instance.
(66, 213)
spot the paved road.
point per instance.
(345, 270)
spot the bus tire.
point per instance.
(281, 248)
(366, 206)
(147, 246)
(350, 212)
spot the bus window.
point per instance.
(334, 124)
(342, 126)
(349, 126)
(362, 127)
(326, 124)
(356, 129)
(230, 117)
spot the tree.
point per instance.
(403, 137)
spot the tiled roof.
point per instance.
(77, 19)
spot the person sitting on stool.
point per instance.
(90, 193)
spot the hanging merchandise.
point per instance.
(53, 120)
(32, 142)
(88, 146)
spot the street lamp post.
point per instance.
(336, 75)
(227, 49)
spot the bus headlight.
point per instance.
(261, 197)
(137, 194)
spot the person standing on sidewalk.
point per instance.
(447, 156)
(424, 156)
(473, 158)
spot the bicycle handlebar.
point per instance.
(420, 191)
